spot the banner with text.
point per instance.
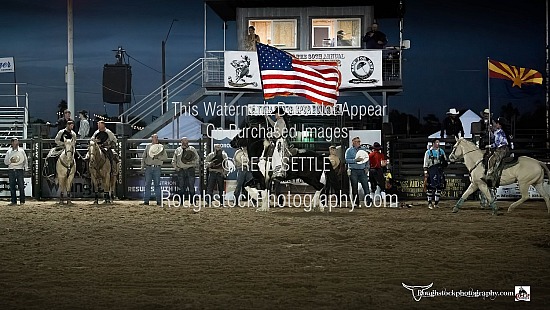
(360, 68)
(7, 65)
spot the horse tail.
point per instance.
(547, 172)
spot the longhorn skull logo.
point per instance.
(417, 290)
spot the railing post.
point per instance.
(121, 184)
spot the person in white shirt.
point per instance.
(17, 163)
(84, 125)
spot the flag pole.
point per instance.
(547, 85)
(489, 98)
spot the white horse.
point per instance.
(66, 168)
(526, 172)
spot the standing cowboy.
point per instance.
(358, 171)
(452, 125)
(16, 160)
(151, 162)
(185, 161)
(214, 162)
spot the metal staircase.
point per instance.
(14, 117)
(203, 72)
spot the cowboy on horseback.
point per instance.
(107, 141)
(499, 150)
(67, 133)
(280, 152)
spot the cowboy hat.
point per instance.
(376, 146)
(187, 155)
(486, 111)
(453, 111)
(363, 154)
(16, 159)
(155, 149)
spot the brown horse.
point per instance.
(100, 172)
(66, 168)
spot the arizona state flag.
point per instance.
(514, 82)
(518, 76)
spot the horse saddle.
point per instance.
(509, 162)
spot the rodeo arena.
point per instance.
(271, 170)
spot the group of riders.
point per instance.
(493, 138)
(104, 137)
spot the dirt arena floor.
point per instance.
(126, 256)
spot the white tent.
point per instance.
(467, 119)
(189, 127)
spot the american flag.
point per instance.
(284, 75)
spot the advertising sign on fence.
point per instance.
(5, 187)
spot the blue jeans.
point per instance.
(16, 178)
(186, 180)
(358, 175)
(152, 174)
(214, 179)
(243, 176)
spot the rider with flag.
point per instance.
(280, 150)
(500, 149)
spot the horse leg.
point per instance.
(265, 200)
(317, 201)
(472, 188)
(524, 191)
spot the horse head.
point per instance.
(69, 147)
(461, 148)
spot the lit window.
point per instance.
(281, 33)
(336, 32)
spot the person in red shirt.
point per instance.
(377, 161)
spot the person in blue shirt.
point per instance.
(435, 161)
(358, 172)
(500, 149)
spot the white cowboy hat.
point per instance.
(17, 159)
(453, 111)
(155, 149)
(363, 154)
(486, 111)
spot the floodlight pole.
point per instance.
(164, 107)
